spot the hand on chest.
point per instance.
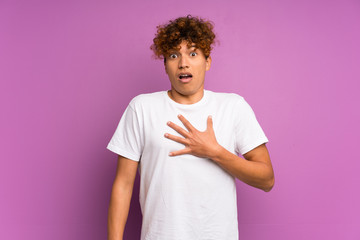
(157, 127)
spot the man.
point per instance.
(186, 143)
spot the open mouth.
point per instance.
(185, 77)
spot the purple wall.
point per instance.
(68, 70)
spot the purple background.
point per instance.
(68, 69)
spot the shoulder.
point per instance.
(147, 99)
(226, 97)
(233, 101)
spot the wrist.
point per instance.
(218, 153)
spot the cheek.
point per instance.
(170, 70)
(202, 70)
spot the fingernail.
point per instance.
(179, 115)
(166, 135)
(168, 123)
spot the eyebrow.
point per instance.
(192, 48)
(176, 51)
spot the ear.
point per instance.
(208, 63)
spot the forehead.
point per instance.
(184, 45)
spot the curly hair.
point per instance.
(194, 30)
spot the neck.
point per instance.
(186, 99)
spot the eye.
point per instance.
(172, 56)
(193, 54)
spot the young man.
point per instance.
(186, 143)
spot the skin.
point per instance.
(120, 197)
(190, 60)
(255, 170)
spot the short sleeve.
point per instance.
(249, 133)
(127, 139)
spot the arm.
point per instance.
(256, 170)
(120, 197)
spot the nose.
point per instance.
(183, 62)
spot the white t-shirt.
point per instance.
(185, 197)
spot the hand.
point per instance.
(197, 143)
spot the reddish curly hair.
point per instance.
(194, 30)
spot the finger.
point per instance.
(186, 123)
(176, 138)
(179, 129)
(180, 152)
(209, 123)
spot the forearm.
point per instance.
(256, 174)
(118, 210)
(256, 170)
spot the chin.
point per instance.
(186, 92)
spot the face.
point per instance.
(186, 69)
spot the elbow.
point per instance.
(269, 185)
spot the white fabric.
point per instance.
(185, 197)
